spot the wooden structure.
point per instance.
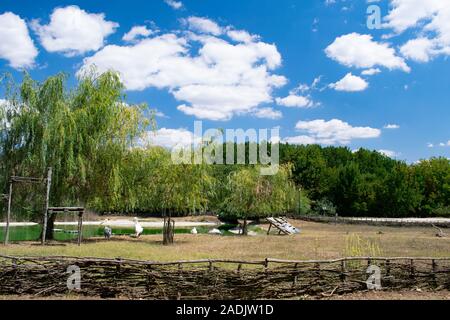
(65, 210)
(47, 211)
(283, 226)
(17, 179)
(220, 278)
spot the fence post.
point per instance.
(412, 269)
(343, 267)
(8, 217)
(434, 267)
(47, 199)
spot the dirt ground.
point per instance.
(316, 241)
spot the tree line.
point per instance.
(90, 137)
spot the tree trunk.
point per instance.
(168, 231)
(244, 228)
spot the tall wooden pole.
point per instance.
(47, 199)
(8, 216)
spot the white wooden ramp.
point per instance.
(283, 226)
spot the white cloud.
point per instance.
(16, 45)
(391, 126)
(430, 18)
(268, 113)
(241, 36)
(170, 138)
(215, 80)
(389, 153)
(420, 49)
(204, 25)
(73, 31)
(330, 132)
(174, 4)
(350, 83)
(360, 51)
(136, 32)
(430, 145)
(294, 100)
(405, 14)
(370, 72)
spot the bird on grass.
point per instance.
(194, 231)
(137, 228)
(107, 231)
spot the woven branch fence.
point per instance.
(216, 279)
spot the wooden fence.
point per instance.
(216, 279)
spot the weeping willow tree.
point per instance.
(83, 133)
(254, 195)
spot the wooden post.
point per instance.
(270, 226)
(47, 199)
(343, 270)
(8, 216)
(434, 267)
(80, 226)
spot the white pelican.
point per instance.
(215, 231)
(194, 230)
(138, 228)
(107, 231)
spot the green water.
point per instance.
(69, 233)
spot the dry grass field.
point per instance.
(316, 241)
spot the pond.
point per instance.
(69, 232)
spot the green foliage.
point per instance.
(91, 139)
(324, 207)
(83, 134)
(367, 183)
(251, 194)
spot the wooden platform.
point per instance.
(283, 226)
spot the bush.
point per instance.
(324, 207)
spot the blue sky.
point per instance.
(313, 68)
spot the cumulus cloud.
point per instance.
(16, 45)
(361, 51)
(211, 77)
(430, 18)
(350, 83)
(294, 100)
(330, 132)
(241, 36)
(170, 138)
(73, 31)
(268, 113)
(370, 72)
(137, 32)
(174, 4)
(204, 25)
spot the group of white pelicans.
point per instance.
(138, 229)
